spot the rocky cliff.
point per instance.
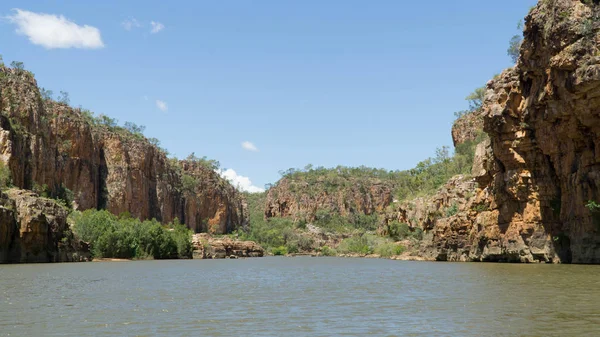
(534, 193)
(52, 148)
(538, 178)
(35, 229)
(344, 191)
(542, 117)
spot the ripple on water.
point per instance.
(298, 297)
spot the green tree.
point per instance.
(47, 95)
(17, 65)
(476, 98)
(513, 48)
(514, 45)
(134, 128)
(64, 98)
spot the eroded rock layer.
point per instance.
(35, 229)
(50, 146)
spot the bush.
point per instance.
(452, 210)
(389, 249)
(279, 251)
(355, 245)
(5, 176)
(127, 237)
(327, 251)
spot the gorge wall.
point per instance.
(543, 119)
(51, 147)
(538, 176)
(534, 192)
(302, 198)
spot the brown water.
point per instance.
(298, 297)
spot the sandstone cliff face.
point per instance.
(542, 117)
(302, 200)
(541, 167)
(34, 229)
(460, 223)
(50, 144)
(468, 127)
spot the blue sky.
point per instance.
(336, 82)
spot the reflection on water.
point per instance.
(298, 297)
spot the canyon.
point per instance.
(532, 194)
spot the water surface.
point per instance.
(298, 297)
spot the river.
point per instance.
(303, 296)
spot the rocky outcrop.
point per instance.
(53, 148)
(542, 117)
(35, 229)
(301, 199)
(460, 223)
(538, 178)
(207, 247)
(467, 127)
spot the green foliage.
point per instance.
(327, 251)
(137, 130)
(514, 47)
(452, 210)
(476, 98)
(400, 231)
(64, 195)
(355, 245)
(1, 61)
(389, 249)
(47, 95)
(17, 65)
(154, 141)
(459, 114)
(481, 208)
(208, 163)
(281, 250)
(189, 183)
(106, 121)
(593, 206)
(43, 190)
(127, 237)
(369, 244)
(5, 176)
(64, 98)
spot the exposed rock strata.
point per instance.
(207, 247)
(48, 144)
(542, 167)
(35, 229)
(542, 117)
(302, 200)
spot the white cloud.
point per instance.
(162, 105)
(240, 182)
(131, 23)
(53, 31)
(249, 146)
(156, 27)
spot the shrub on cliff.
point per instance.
(5, 176)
